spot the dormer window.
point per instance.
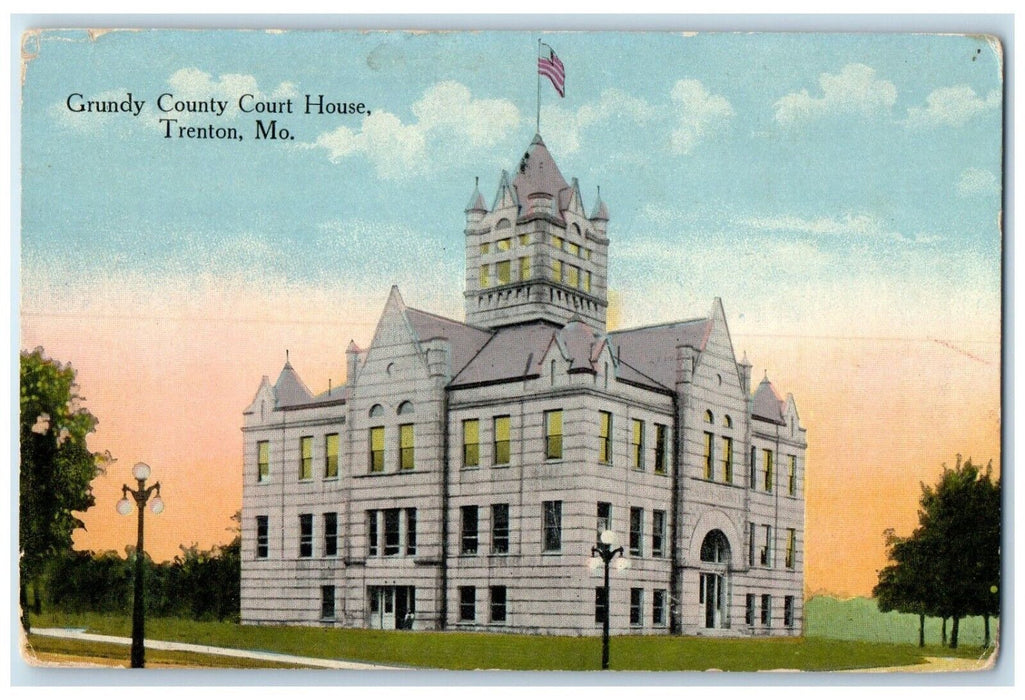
(376, 411)
(405, 408)
(503, 223)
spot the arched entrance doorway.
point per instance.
(715, 568)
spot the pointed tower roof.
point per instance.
(476, 200)
(767, 405)
(506, 195)
(538, 173)
(290, 390)
(600, 212)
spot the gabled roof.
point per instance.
(766, 404)
(465, 341)
(651, 350)
(512, 353)
(290, 390)
(538, 173)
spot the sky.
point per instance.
(841, 193)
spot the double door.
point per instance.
(391, 607)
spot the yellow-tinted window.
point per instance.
(406, 446)
(485, 248)
(572, 248)
(792, 481)
(556, 270)
(524, 269)
(306, 458)
(605, 437)
(791, 547)
(553, 434)
(660, 449)
(262, 460)
(767, 470)
(572, 275)
(485, 277)
(501, 440)
(586, 280)
(377, 449)
(557, 242)
(524, 239)
(727, 460)
(471, 443)
(504, 244)
(503, 272)
(637, 444)
(709, 455)
(331, 455)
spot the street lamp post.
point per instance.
(602, 554)
(141, 494)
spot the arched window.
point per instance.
(405, 407)
(709, 418)
(376, 410)
(727, 421)
(576, 229)
(715, 548)
(503, 223)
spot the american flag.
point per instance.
(553, 69)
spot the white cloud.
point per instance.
(562, 128)
(193, 84)
(855, 90)
(975, 181)
(952, 106)
(447, 112)
(700, 114)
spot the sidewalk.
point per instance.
(220, 651)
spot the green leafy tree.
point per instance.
(57, 467)
(906, 585)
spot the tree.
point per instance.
(57, 467)
(906, 584)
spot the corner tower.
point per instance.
(535, 255)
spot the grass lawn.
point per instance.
(461, 650)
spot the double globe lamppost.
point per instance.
(602, 554)
(140, 495)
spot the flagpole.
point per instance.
(538, 87)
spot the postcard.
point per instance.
(651, 351)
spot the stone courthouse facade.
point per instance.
(460, 477)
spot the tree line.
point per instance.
(949, 567)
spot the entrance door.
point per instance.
(391, 607)
(713, 595)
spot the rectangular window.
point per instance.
(658, 607)
(377, 449)
(524, 269)
(391, 532)
(766, 553)
(791, 547)
(637, 444)
(709, 460)
(557, 242)
(658, 533)
(572, 248)
(485, 276)
(500, 528)
(330, 455)
(372, 546)
(587, 279)
(788, 611)
(327, 602)
(503, 270)
(767, 470)
(471, 443)
(750, 544)
(406, 446)
(306, 457)
(524, 238)
(661, 435)
(501, 437)
(604, 521)
(637, 532)
(556, 270)
(262, 537)
(467, 603)
(306, 535)
(503, 244)
(468, 531)
(749, 610)
(727, 460)
(498, 603)
(330, 534)
(262, 460)
(752, 481)
(552, 536)
(636, 606)
(410, 531)
(485, 248)
(601, 604)
(792, 476)
(553, 434)
(572, 275)
(605, 437)
(767, 610)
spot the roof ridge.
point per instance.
(661, 325)
(450, 320)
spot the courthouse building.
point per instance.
(461, 475)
